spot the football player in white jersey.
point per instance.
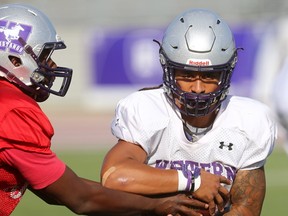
(189, 135)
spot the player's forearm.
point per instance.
(118, 203)
(141, 179)
(238, 211)
(44, 197)
(86, 197)
(247, 193)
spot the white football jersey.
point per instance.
(242, 135)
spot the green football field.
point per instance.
(87, 164)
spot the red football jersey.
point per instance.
(12, 187)
(25, 155)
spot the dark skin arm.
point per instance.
(49, 200)
(87, 197)
(124, 169)
(248, 193)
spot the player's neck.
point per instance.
(200, 122)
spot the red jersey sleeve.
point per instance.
(26, 129)
(23, 124)
(40, 170)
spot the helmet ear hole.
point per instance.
(29, 39)
(15, 60)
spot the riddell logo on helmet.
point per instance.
(199, 62)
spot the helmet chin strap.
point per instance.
(37, 94)
(12, 78)
(28, 49)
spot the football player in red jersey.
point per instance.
(27, 76)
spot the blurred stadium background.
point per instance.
(111, 51)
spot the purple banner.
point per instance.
(130, 57)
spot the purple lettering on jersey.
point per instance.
(10, 32)
(206, 166)
(191, 165)
(178, 165)
(162, 164)
(215, 167)
(231, 172)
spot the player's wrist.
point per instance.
(188, 181)
(197, 178)
(182, 181)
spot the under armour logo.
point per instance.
(228, 146)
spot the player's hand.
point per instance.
(212, 192)
(179, 205)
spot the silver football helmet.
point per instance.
(197, 40)
(27, 41)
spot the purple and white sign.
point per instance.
(126, 57)
(10, 32)
(130, 57)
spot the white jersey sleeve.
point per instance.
(140, 117)
(242, 136)
(258, 125)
